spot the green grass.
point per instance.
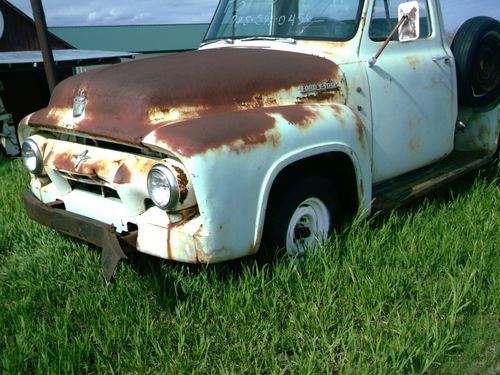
(413, 292)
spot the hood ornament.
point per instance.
(79, 159)
(79, 103)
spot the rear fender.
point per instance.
(480, 132)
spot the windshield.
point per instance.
(298, 19)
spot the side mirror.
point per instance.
(409, 29)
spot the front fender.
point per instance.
(233, 159)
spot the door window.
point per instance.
(385, 19)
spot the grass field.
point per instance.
(413, 292)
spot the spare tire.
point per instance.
(476, 48)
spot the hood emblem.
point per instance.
(325, 86)
(79, 103)
(79, 159)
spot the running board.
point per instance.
(402, 190)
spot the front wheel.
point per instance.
(301, 215)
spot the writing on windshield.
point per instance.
(308, 19)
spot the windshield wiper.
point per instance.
(225, 40)
(271, 38)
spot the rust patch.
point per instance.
(169, 246)
(411, 125)
(126, 102)
(338, 113)
(259, 101)
(66, 161)
(413, 61)
(63, 161)
(253, 250)
(484, 134)
(413, 146)
(182, 181)
(43, 147)
(320, 97)
(360, 130)
(298, 115)
(240, 131)
(200, 255)
(47, 156)
(123, 175)
(187, 214)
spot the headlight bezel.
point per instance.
(173, 185)
(37, 169)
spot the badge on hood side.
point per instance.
(325, 86)
(79, 103)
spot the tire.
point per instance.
(301, 215)
(476, 48)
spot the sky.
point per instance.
(137, 12)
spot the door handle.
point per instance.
(446, 59)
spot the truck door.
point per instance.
(412, 88)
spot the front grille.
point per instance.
(104, 191)
(81, 178)
(108, 145)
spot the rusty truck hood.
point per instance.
(128, 101)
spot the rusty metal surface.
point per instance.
(122, 169)
(81, 227)
(127, 101)
(480, 131)
(74, 225)
(413, 103)
(294, 133)
(123, 172)
(243, 131)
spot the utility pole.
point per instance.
(43, 40)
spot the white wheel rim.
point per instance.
(308, 226)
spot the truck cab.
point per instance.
(292, 116)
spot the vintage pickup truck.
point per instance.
(292, 115)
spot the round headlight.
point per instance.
(162, 187)
(32, 157)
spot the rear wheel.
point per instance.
(476, 48)
(301, 215)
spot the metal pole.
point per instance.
(387, 15)
(43, 40)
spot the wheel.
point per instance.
(301, 215)
(476, 48)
